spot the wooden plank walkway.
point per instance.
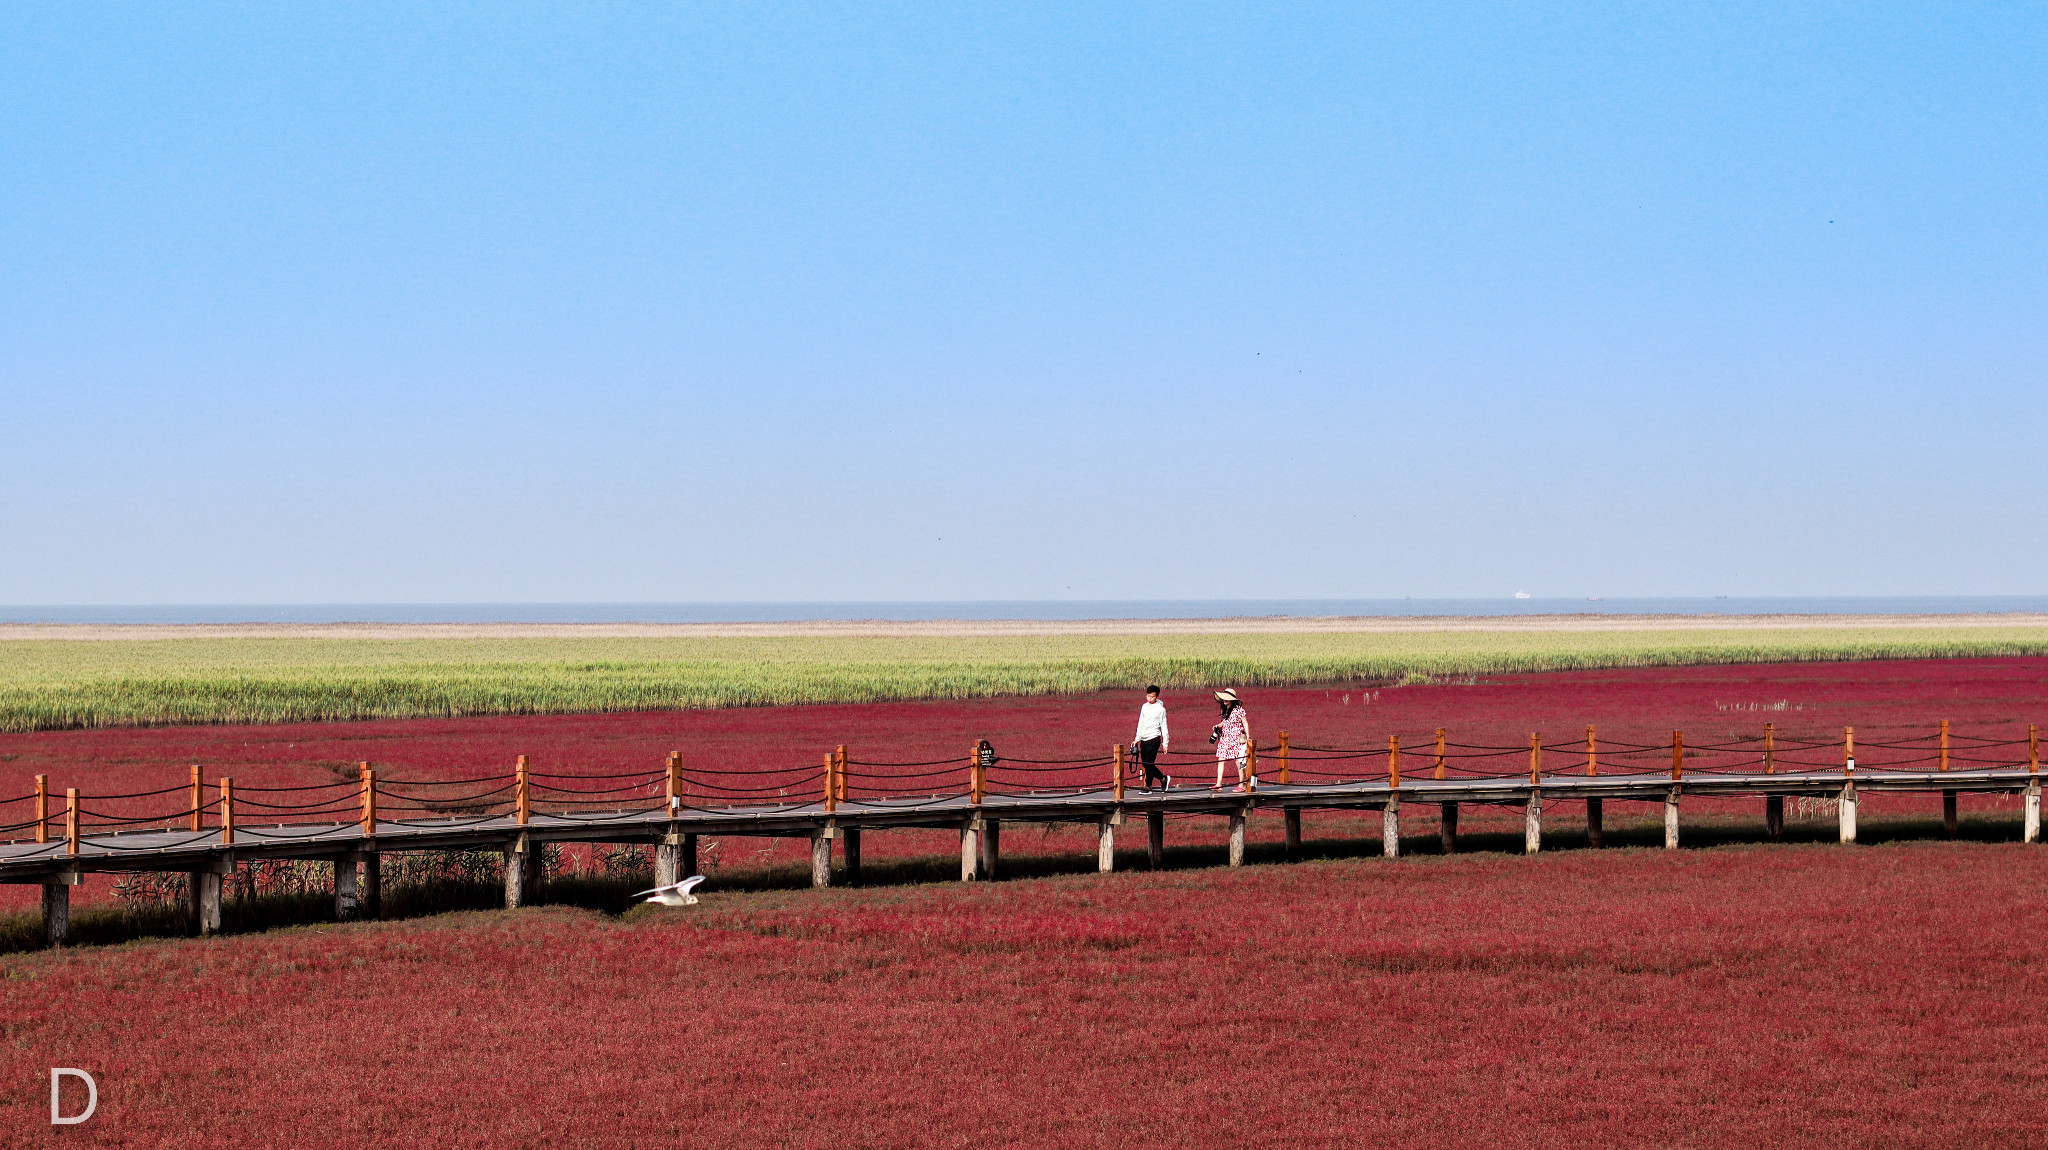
(673, 824)
(162, 850)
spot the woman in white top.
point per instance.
(1152, 737)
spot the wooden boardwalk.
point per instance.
(674, 822)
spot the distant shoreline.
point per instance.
(1011, 628)
(1006, 613)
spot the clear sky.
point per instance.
(358, 303)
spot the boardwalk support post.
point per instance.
(1449, 828)
(970, 849)
(345, 898)
(1291, 818)
(1237, 817)
(668, 859)
(675, 858)
(991, 849)
(1532, 824)
(1155, 839)
(1390, 828)
(206, 897)
(821, 855)
(1671, 819)
(1848, 811)
(371, 904)
(1105, 846)
(852, 854)
(522, 872)
(57, 908)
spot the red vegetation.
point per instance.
(1824, 996)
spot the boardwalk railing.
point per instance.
(211, 824)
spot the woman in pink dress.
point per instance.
(1232, 736)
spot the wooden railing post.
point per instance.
(1116, 781)
(1390, 814)
(71, 820)
(227, 812)
(1283, 759)
(1677, 755)
(672, 795)
(1439, 752)
(1774, 805)
(831, 781)
(977, 778)
(840, 758)
(2031, 798)
(1535, 759)
(198, 798)
(1948, 797)
(42, 808)
(1848, 752)
(1596, 813)
(369, 777)
(522, 795)
(1248, 773)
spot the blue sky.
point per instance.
(695, 302)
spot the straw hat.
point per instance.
(1226, 696)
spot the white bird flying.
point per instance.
(675, 894)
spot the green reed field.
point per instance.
(48, 684)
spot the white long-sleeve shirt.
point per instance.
(1152, 723)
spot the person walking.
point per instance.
(1232, 736)
(1152, 738)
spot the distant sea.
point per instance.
(1051, 609)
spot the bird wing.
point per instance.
(683, 887)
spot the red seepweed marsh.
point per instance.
(1751, 995)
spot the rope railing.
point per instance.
(210, 808)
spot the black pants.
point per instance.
(1148, 754)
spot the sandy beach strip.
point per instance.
(1013, 628)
